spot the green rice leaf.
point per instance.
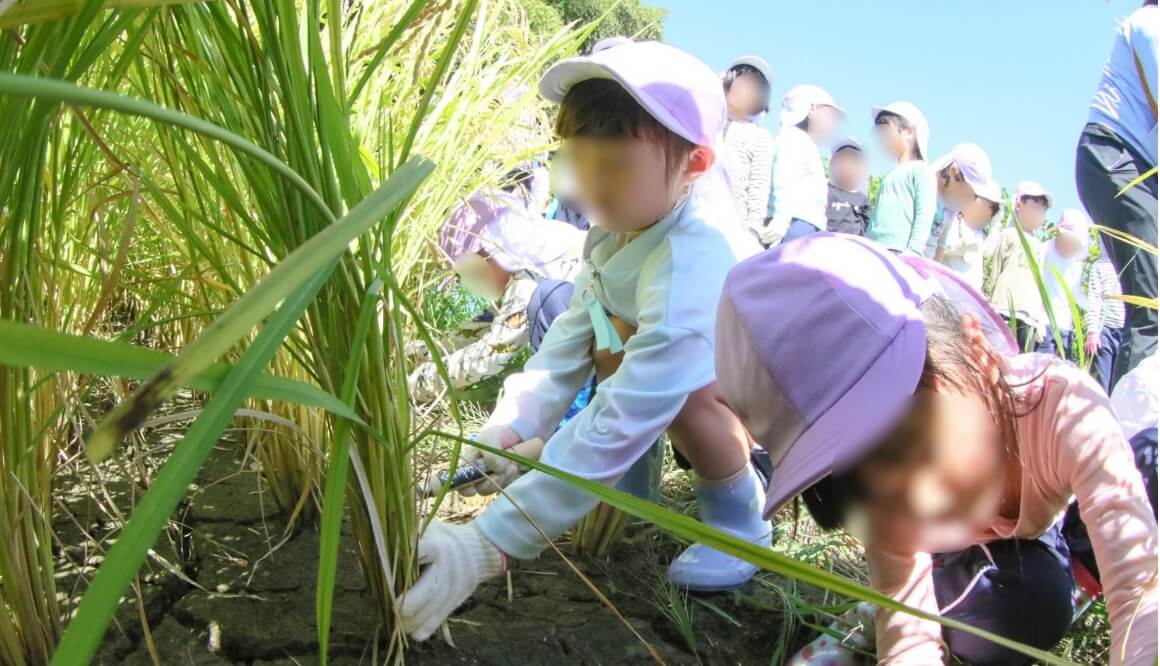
(28, 346)
(693, 530)
(235, 323)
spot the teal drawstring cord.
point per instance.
(605, 332)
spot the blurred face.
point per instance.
(953, 190)
(482, 276)
(1068, 246)
(892, 141)
(1031, 213)
(624, 183)
(823, 121)
(746, 96)
(848, 168)
(977, 213)
(942, 470)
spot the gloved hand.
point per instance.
(1092, 344)
(457, 558)
(501, 471)
(769, 235)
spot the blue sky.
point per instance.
(1015, 77)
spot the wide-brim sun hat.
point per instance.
(758, 63)
(1030, 188)
(800, 100)
(910, 113)
(818, 414)
(675, 88)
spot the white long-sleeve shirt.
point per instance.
(962, 249)
(1070, 271)
(800, 188)
(667, 282)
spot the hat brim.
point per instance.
(942, 162)
(758, 63)
(560, 78)
(856, 422)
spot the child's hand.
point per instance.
(1092, 344)
(456, 559)
(500, 471)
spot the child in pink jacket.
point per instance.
(950, 457)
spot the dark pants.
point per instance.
(1104, 165)
(1017, 588)
(798, 229)
(549, 300)
(1105, 359)
(1048, 345)
(1025, 334)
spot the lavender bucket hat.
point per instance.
(820, 347)
(681, 92)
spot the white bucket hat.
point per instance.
(800, 100)
(758, 63)
(1030, 188)
(912, 115)
(975, 167)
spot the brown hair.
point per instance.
(601, 108)
(952, 362)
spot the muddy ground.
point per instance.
(237, 591)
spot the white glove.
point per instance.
(457, 558)
(501, 471)
(769, 234)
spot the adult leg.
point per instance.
(1000, 585)
(798, 229)
(549, 300)
(1104, 166)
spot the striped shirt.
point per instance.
(748, 161)
(1103, 311)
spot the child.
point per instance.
(847, 207)
(797, 199)
(949, 458)
(964, 237)
(1011, 285)
(747, 147)
(1063, 266)
(1104, 318)
(639, 122)
(906, 205)
(502, 253)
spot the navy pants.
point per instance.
(998, 586)
(1104, 165)
(549, 300)
(1048, 344)
(1105, 359)
(798, 229)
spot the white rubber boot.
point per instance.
(733, 505)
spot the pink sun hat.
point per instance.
(681, 92)
(820, 412)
